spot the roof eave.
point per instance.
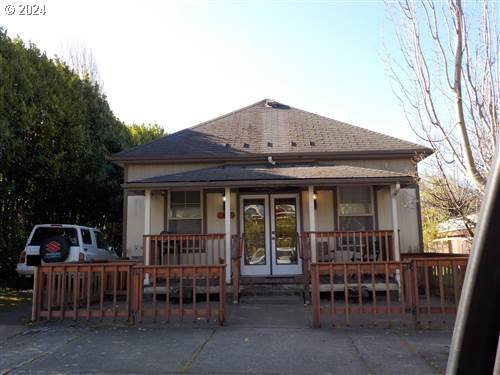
(275, 182)
(373, 154)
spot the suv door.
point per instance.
(101, 245)
(88, 245)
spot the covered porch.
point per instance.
(269, 221)
(346, 240)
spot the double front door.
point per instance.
(270, 225)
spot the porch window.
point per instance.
(355, 207)
(185, 212)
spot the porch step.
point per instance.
(270, 280)
(271, 300)
(270, 290)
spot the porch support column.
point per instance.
(227, 231)
(395, 224)
(147, 225)
(312, 223)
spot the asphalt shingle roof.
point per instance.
(283, 172)
(268, 128)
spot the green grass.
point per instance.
(11, 298)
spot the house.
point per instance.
(277, 180)
(453, 236)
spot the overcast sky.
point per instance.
(178, 64)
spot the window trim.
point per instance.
(372, 201)
(169, 208)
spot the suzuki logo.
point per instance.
(53, 246)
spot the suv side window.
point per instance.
(86, 238)
(101, 242)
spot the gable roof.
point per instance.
(297, 174)
(268, 128)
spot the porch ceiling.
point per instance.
(259, 175)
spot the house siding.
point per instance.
(407, 166)
(324, 213)
(384, 214)
(137, 172)
(135, 225)
(407, 217)
(408, 221)
(135, 222)
(214, 205)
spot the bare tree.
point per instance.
(445, 74)
(447, 198)
(82, 61)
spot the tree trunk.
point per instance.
(476, 177)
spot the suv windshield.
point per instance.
(44, 232)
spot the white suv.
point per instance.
(52, 243)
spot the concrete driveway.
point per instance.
(259, 338)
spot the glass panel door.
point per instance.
(255, 229)
(284, 229)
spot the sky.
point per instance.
(181, 63)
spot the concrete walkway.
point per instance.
(260, 338)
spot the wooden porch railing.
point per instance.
(424, 290)
(184, 249)
(343, 246)
(83, 290)
(128, 290)
(386, 291)
(437, 286)
(179, 291)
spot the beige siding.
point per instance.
(408, 221)
(214, 205)
(323, 212)
(135, 221)
(157, 213)
(406, 166)
(407, 217)
(140, 171)
(135, 225)
(384, 214)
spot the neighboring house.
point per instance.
(453, 237)
(281, 178)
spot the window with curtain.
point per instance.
(355, 206)
(185, 212)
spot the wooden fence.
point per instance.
(409, 290)
(129, 291)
